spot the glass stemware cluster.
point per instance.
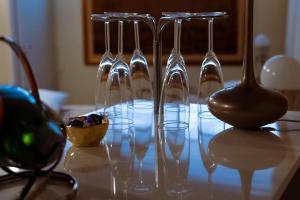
(123, 89)
(128, 100)
(174, 109)
(120, 86)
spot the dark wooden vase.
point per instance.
(248, 105)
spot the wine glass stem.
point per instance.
(136, 35)
(211, 35)
(177, 35)
(120, 37)
(107, 38)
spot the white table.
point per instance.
(209, 165)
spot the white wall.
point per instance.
(73, 75)
(293, 29)
(5, 52)
(79, 80)
(270, 18)
(32, 28)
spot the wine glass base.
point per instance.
(203, 112)
(169, 125)
(175, 193)
(206, 115)
(141, 189)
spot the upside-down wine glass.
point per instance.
(141, 83)
(172, 54)
(174, 108)
(211, 75)
(103, 71)
(119, 98)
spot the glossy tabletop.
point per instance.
(209, 160)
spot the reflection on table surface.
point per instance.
(209, 160)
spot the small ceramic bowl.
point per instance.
(87, 136)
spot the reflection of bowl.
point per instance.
(87, 136)
(86, 159)
(247, 149)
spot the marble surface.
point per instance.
(210, 160)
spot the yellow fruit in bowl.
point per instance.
(88, 136)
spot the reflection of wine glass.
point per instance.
(174, 108)
(211, 75)
(112, 142)
(207, 161)
(103, 71)
(206, 129)
(176, 153)
(141, 83)
(143, 123)
(143, 139)
(126, 162)
(120, 149)
(119, 99)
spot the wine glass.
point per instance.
(141, 83)
(174, 108)
(211, 75)
(103, 71)
(119, 98)
(176, 151)
(172, 54)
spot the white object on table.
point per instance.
(281, 73)
(54, 99)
